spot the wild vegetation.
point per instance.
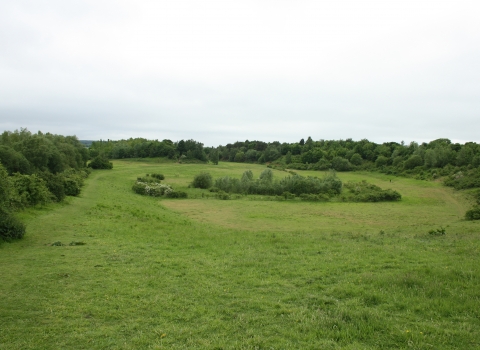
(37, 169)
(355, 259)
(113, 269)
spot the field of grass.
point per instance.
(248, 273)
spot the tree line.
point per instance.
(36, 169)
(340, 155)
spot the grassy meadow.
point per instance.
(246, 273)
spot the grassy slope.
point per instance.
(241, 274)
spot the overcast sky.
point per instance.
(222, 71)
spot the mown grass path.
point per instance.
(241, 274)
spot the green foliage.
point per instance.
(266, 176)
(413, 162)
(437, 232)
(10, 227)
(287, 195)
(464, 179)
(100, 162)
(176, 194)
(356, 159)
(151, 189)
(341, 164)
(265, 184)
(55, 184)
(158, 176)
(213, 156)
(14, 161)
(239, 157)
(29, 190)
(202, 180)
(72, 187)
(366, 192)
(314, 197)
(5, 189)
(473, 214)
(288, 157)
(476, 196)
(381, 161)
(247, 176)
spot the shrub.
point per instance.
(55, 184)
(314, 197)
(100, 162)
(266, 176)
(176, 194)
(72, 188)
(365, 192)
(438, 232)
(288, 195)
(222, 195)
(341, 164)
(10, 227)
(202, 180)
(158, 176)
(139, 188)
(473, 214)
(30, 190)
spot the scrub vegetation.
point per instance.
(111, 269)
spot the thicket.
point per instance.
(37, 169)
(306, 188)
(366, 192)
(297, 185)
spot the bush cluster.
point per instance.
(295, 185)
(365, 192)
(156, 189)
(464, 179)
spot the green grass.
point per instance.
(241, 274)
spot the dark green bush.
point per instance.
(464, 179)
(100, 162)
(222, 195)
(288, 195)
(176, 194)
(72, 188)
(158, 176)
(438, 232)
(10, 227)
(473, 214)
(365, 192)
(55, 184)
(295, 185)
(314, 197)
(139, 188)
(202, 180)
(29, 190)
